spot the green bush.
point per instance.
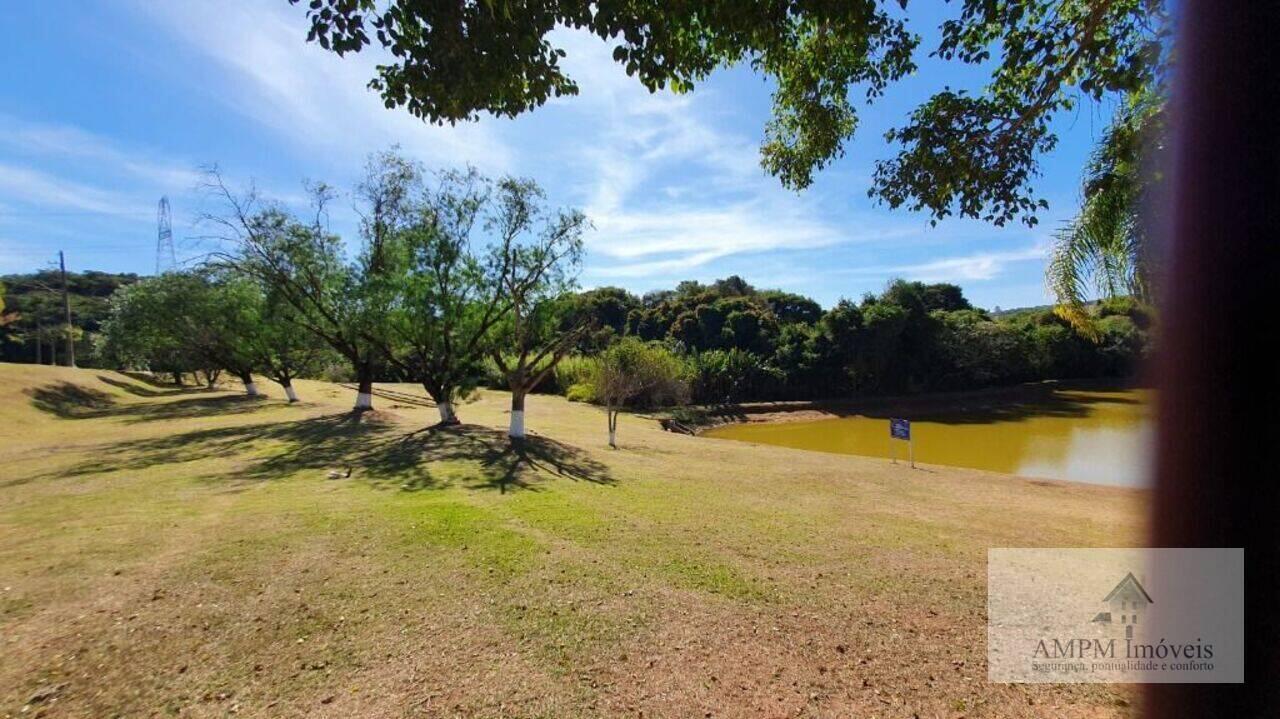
(581, 392)
(572, 370)
(635, 373)
(491, 376)
(336, 372)
(728, 376)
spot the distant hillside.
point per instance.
(36, 329)
(999, 312)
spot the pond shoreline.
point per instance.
(1093, 432)
(901, 405)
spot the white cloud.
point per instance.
(668, 189)
(65, 141)
(683, 263)
(39, 188)
(310, 96)
(979, 266)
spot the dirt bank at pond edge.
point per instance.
(920, 406)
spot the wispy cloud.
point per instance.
(67, 187)
(979, 266)
(312, 98)
(669, 189)
(52, 193)
(68, 142)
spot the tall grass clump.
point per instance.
(573, 377)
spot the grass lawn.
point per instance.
(183, 552)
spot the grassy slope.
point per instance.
(182, 552)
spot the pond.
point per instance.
(1100, 436)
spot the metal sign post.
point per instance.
(901, 429)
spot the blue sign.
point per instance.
(900, 428)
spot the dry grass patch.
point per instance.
(182, 552)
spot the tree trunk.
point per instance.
(250, 388)
(613, 426)
(288, 390)
(517, 414)
(364, 391)
(177, 378)
(447, 415)
(441, 395)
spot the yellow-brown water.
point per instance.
(1081, 435)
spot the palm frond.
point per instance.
(1101, 250)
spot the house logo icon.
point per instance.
(1125, 605)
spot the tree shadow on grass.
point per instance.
(151, 389)
(151, 379)
(72, 401)
(396, 396)
(503, 464)
(377, 451)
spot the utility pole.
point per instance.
(66, 306)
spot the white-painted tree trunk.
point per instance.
(446, 411)
(251, 389)
(364, 400)
(613, 438)
(517, 424)
(288, 390)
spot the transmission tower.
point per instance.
(165, 260)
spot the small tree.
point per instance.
(449, 304)
(534, 265)
(223, 319)
(303, 265)
(634, 371)
(275, 341)
(142, 331)
(1105, 251)
(181, 322)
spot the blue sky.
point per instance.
(106, 106)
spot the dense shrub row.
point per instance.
(740, 344)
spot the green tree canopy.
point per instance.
(341, 300)
(182, 322)
(970, 154)
(534, 264)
